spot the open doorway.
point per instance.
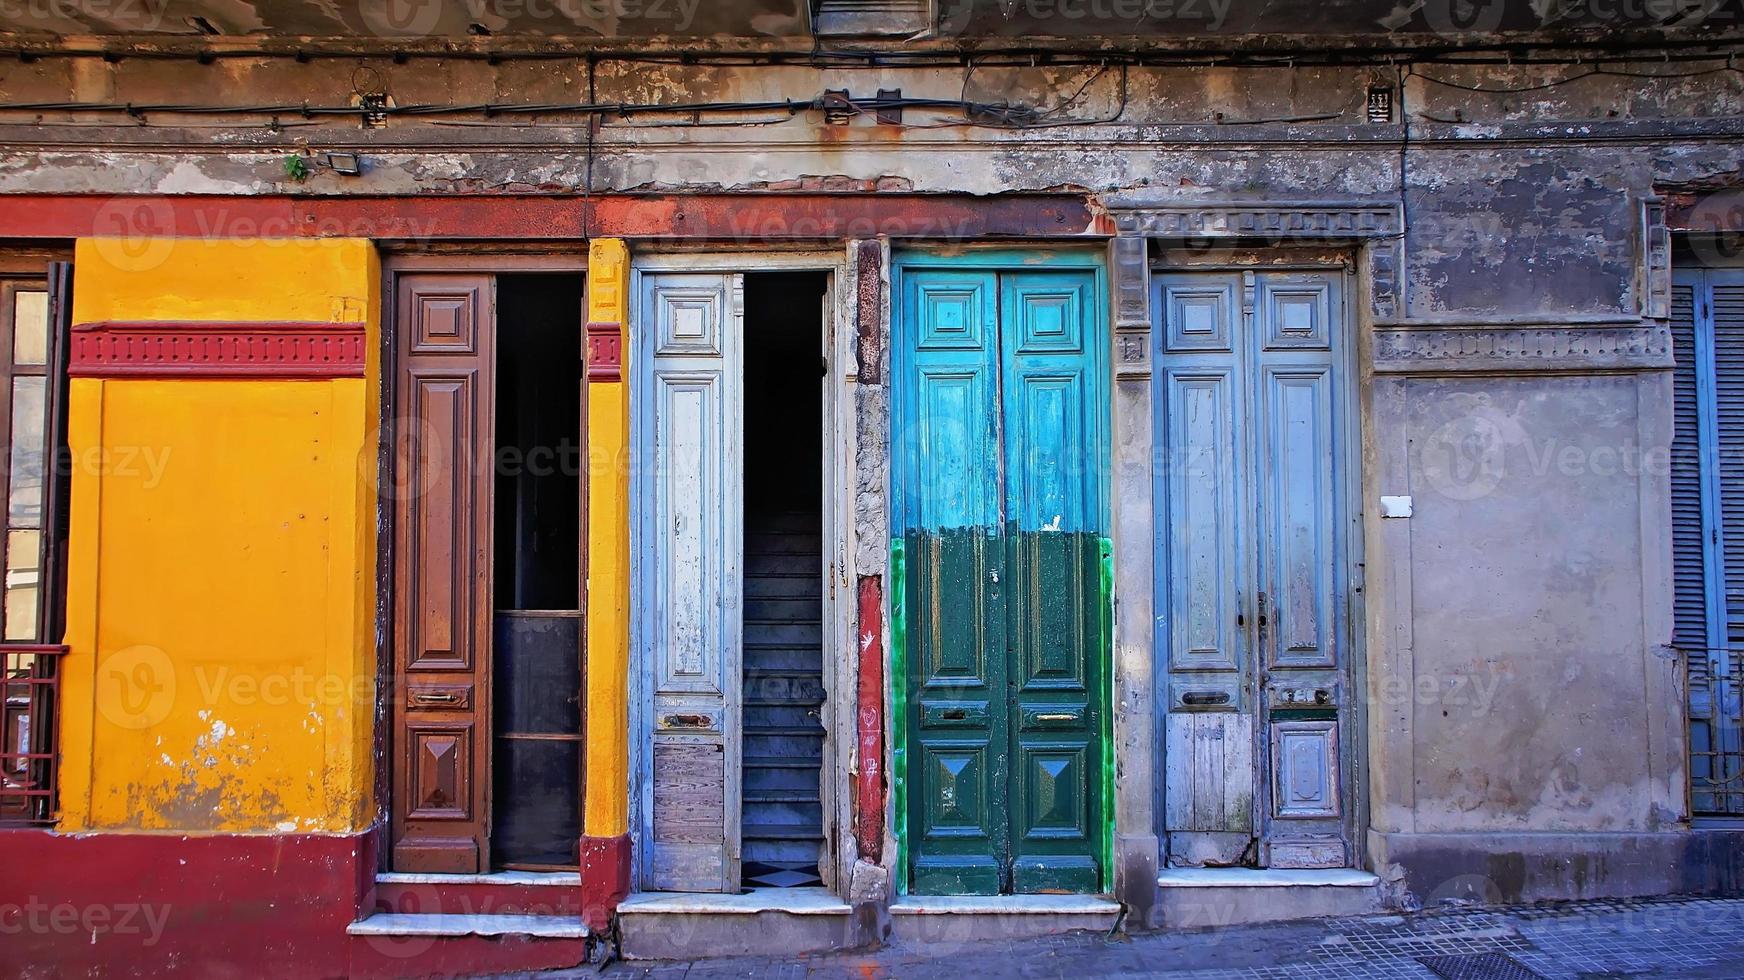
(781, 826)
(728, 638)
(488, 520)
(537, 575)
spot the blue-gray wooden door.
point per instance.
(1252, 627)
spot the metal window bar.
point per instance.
(30, 739)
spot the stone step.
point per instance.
(781, 702)
(775, 922)
(768, 652)
(804, 521)
(767, 795)
(799, 778)
(768, 817)
(807, 586)
(780, 687)
(391, 944)
(962, 918)
(796, 715)
(785, 543)
(808, 633)
(758, 565)
(501, 893)
(1202, 898)
(802, 609)
(804, 744)
(773, 831)
(778, 851)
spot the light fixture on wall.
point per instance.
(343, 164)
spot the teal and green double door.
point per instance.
(1000, 591)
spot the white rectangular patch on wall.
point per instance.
(1395, 506)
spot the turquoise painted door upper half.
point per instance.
(1250, 552)
(999, 460)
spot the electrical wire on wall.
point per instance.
(374, 106)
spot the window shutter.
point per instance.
(1707, 326)
(1689, 604)
(1728, 345)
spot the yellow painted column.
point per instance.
(608, 557)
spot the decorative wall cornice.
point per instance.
(1287, 222)
(1377, 226)
(1477, 349)
(177, 349)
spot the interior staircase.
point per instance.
(781, 827)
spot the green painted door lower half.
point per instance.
(1001, 584)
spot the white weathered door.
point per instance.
(688, 423)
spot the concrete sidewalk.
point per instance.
(1595, 940)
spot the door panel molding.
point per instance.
(442, 553)
(687, 501)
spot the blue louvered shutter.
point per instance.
(1690, 604)
(1689, 577)
(1728, 345)
(1707, 488)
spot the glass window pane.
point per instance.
(23, 548)
(30, 327)
(29, 397)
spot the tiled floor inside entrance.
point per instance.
(763, 874)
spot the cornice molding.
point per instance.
(179, 349)
(1444, 349)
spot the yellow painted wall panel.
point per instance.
(233, 687)
(221, 574)
(320, 280)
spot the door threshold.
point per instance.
(1265, 878)
(793, 901)
(559, 879)
(1004, 905)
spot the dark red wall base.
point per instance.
(605, 879)
(166, 905)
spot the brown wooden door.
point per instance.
(442, 553)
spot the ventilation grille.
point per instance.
(871, 17)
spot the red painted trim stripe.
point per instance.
(869, 723)
(176, 349)
(748, 218)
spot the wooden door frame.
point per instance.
(840, 610)
(1354, 389)
(492, 259)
